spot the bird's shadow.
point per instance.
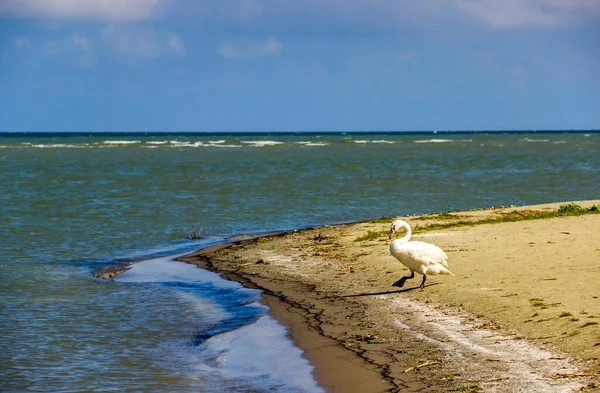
(389, 292)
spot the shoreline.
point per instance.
(319, 282)
(335, 368)
(333, 294)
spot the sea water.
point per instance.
(71, 203)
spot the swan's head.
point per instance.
(397, 225)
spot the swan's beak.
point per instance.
(391, 234)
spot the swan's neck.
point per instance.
(406, 237)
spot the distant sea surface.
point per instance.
(71, 203)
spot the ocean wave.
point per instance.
(364, 141)
(225, 146)
(185, 144)
(311, 144)
(59, 145)
(217, 142)
(262, 143)
(444, 140)
(534, 140)
(120, 142)
(278, 364)
(178, 144)
(157, 142)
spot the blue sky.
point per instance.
(310, 65)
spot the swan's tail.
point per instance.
(439, 269)
(446, 272)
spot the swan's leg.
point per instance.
(400, 282)
(423, 282)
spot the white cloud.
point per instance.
(21, 42)
(514, 13)
(439, 13)
(111, 10)
(320, 14)
(250, 49)
(392, 14)
(271, 47)
(76, 49)
(81, 42)
(227, 51)
(246, 9)
(175, 43)
(142, 42)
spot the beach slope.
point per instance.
(521, 314)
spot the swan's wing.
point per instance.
(426, 253)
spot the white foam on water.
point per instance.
(219, 143)
(444, 140)
(311, 144)
(364, 141)
(186, 144)
(262, 143)
(166, 269)
(157, 142)
(180, 144)
(59, 145)
(534, 140)
(120, 142)
(434, 141)
(224, 146)
(261, 354)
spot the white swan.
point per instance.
(420, 257)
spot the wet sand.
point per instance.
(521, 314)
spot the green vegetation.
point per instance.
(538, 302)
(382, 220)
(569, 209)
(371, 235)
(440, 216)
(575, 209)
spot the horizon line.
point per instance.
(167, 132)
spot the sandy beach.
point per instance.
(521, 314)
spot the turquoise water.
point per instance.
(71, 203)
